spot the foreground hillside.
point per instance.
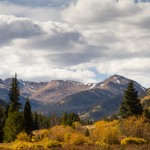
(57, 96)
(132, 133)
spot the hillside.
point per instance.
(58, 96)
(104, 99)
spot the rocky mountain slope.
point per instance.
(103, 99)
(57, 96)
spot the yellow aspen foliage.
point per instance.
(67, 137)
(106, 132)
(58, 133)
(134, 127)
(133, 140)
(23, 137)
(77, 126)
(78, 139)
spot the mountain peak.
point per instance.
(116, 79)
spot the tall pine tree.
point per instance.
(131, 104)
(14, 121)
(28, 117)
(14, 94)
(2, 121)
(14, 124)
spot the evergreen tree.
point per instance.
(65, 119)
(69, 119)
(35, 121)
(73, 117)
(130, 104)
(15, 120)
(14, 94)
(14, 124)
(28, 121)
(2, 120)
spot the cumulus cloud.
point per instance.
(45, 73)
(96, 11)
(74, 36)
(12, 28)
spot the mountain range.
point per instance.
(57, 96)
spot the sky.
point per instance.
(81, 40)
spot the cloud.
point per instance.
(49, 3)
(12, 28)
(134, 68)
(96, 11)
(65, 42)
(58, 37)
(33, 12)
(45, 73)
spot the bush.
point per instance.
(58, 133)
(102, 145)
(53, 144)
(67, 137)
(78, 139)
(106, 132)
(135, 127)
(21, 145)
(37, 138)
(23, 137)
(132, 140)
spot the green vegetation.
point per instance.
(28, 121)
(14, 121)
(69, 119)
(14, 95)
(2, 121)
(131, 103)
(14, 124)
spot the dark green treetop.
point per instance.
(131, 104)
(14, 94)
(69, 119)
(14, 124)
(28, 121)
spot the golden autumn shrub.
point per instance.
(58, 133)
(102, 145)
(132, 140)
(52, 144)
(135, 127)
(106, 132)
(67, 137)
(78, 139)
(23, 137)
(21, 145)
(77, 126)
